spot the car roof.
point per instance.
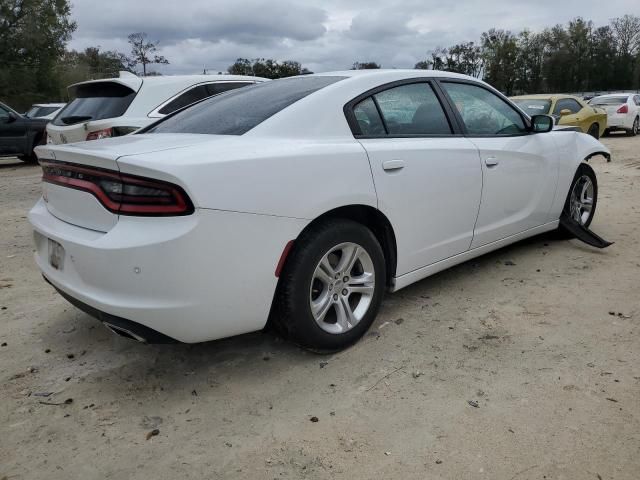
(134, 82)
(614, 95)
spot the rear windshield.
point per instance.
(238, 111)
(36, 112)
(608, 100)
(533, 107)
(95, 101)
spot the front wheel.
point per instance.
(331, 287)
(594, 131)
(582, 198)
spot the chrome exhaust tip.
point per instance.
(123, 332)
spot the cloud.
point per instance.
(322, 34)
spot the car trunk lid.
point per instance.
(80, 161)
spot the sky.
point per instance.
(323, 35)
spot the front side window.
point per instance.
(4, 114)
(483, 112)
(412, 109)
(567, 104)
(238, 111)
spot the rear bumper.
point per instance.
(194, 278)
(121, 326)
(620, 122)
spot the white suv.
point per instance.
(117, 106)
(623, 111)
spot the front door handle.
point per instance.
(393, 165)
(491, 161)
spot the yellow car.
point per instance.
(567, 110)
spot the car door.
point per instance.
(518, 168)
(427, 177)
(577, 117)
(13, 133)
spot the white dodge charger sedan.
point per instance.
(300, 201)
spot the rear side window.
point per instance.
(567, 104)
(412, 109)
(197, 93)
(96, 101)
(238, 111)
(368, 119)
(187, 98)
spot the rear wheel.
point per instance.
(594, 131)
(634, 128)
(331, 287)
(582, 198)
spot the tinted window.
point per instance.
(609, 100)
(534, 106)
(187, 98)
(636, 99)
(567, 104)
(40, 111)
(238, 111)
(368, 118)
(96, 101)
(216, 88)
(483, 112)
(4, 114)
(412, 109)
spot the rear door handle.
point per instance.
(393, 165)
(491, 161)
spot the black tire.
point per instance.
(606, 132)
(582, 171)
(292, 314)
(594, 131)
(634, 129)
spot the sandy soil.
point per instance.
(543, 335)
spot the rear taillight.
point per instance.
(99, 134)
(623, 109)
(119, 193)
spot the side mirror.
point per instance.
(12, 117)
(541, 123)
(565, 111)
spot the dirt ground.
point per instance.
(543, 338)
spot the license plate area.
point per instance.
(56, 254)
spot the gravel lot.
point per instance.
(543, 335)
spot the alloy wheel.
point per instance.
(342, 288)
(581, 202)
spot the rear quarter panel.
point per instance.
(299, 178)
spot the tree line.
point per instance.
(579, 56)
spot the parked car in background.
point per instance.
(117, 106)
(304, 198)
(567, 110)
(623, 110)
(19, 134)
(44, 110)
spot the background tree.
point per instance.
(365, 66)
(33, 36)
(267, 68)
(143, 52)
